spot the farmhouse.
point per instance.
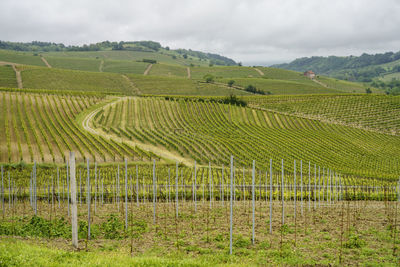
(310, 74)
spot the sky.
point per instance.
(253, 32)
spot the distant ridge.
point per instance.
(363, 68)
(142, 46)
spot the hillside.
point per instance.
(209, 131)
(41, 127)
(141, 49)
(363, 68)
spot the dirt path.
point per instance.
(87, 125)
(320, 83)
(146, 72)
(188, 73)
(45, 62)
(18, 76)
(101, 65)
(134, 87)
(259, 71)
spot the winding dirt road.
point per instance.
(45, 62)
(87, 125)
(146, 72)
(259, 71)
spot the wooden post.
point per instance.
(68, 190)
(176, 190)
(231, 209)
(195, 187)
(270, 196)
(88, 198)
(2, 191)
(253, 198)
(137, 186)
(58, 185)
(74, 210)
(283, 196)
(126, 194)
(154, 191)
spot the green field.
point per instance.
(124, 66)
(42, 128)
(372, 112)
(161, 85)
(209, 131)
(7, 76)
(224, 72)
(21, 58)
(74, 63)
(281, 87)
(168, 70)
(60, 79)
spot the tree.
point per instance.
(185, 56)
(368, 90)
(230, 83)
(240, 64)
(209, 78)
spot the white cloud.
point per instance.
(252, 31)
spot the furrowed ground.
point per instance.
(205, 130)
(41, 127)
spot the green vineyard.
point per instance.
(371, 112)
(211, 131)
(41, 127)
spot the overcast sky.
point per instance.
(250, 31)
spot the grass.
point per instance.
(346, 86)
(372, 112)
(124, 66)
(21, 57)
(161, 85)
(7, 76)
(281, 87)
(42, 128)
(168, 70)
(391, 76)
(60, 79)
(209, 131)
(74, 63)
(224, 72)
(163, 56)
(367, 242)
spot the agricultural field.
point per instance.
(281, 87)
(169, 214)
(7, 76)
(168, 70)
(224, 72)
(41, 127)
(372, 112)
(173, 170)
(27, 58)
(73, 80)
(209, 131)
(161, 85)
(124, 66)
(74, 63)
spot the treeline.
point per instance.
(391, 88)
(215, 59)
(363, 68)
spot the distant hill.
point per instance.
(364, 68)
(139, 46)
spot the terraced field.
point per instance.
(161, 85)
(7, 76)
(210, 131)
(372, 112)
(282, 87)
(42, 128)
(60, 79)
